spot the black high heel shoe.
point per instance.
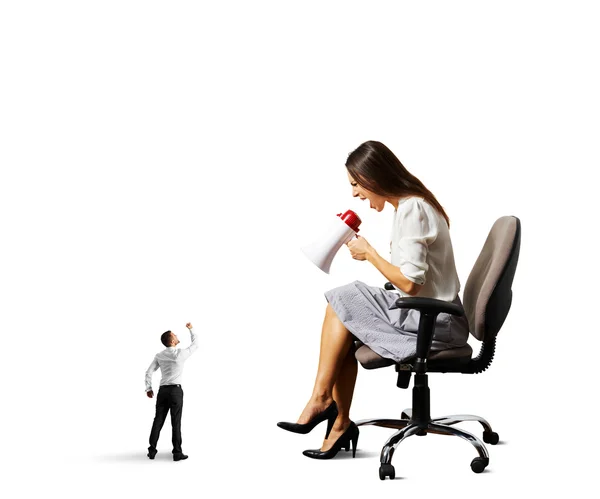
(330, 414)
(348, 439)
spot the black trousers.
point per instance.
(169, 398)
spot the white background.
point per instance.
(163, 162)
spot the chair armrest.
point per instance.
(426, 304)
(429, 305)
(429, 308)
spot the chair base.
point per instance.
(441, 426)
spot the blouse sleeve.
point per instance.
(417, 229)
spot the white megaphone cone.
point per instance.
(324, 249)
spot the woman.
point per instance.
(422, 263)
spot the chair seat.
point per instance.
(371, 360)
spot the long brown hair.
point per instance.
(377, 169)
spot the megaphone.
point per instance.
(341, 231)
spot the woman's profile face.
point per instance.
(376, 201)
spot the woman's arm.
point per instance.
(392, 273)
(362, 250)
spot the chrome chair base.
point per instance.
(441, 426)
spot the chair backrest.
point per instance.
(488, 295)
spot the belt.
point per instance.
(165, 386)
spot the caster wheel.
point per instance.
(405, 416)
(421, 433)
(490, 437)
(478, 464)
(387, 470)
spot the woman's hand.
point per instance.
(359, 248)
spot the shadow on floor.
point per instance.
(124, 457)
(359, 454)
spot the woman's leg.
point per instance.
(336, 375)
(342, 394)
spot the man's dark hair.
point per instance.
(166, 338)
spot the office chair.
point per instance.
(486, 300)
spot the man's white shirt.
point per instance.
(170, 361)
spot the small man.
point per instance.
(170, 394)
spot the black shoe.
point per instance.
(348, 439)
(151, 453)
(330, 414)
(179, 457)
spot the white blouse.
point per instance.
(422, 248)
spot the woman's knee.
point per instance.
(331, 315)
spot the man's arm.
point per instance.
(186, 352)
(149, 372)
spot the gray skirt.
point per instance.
(371, 315)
